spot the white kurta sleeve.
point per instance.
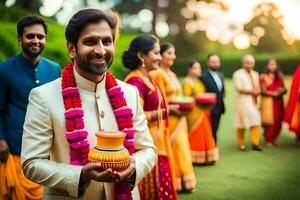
(146, 155)
(36, 145)
(237, 81)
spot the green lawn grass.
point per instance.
(273, 174)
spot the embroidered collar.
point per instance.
(83, 83)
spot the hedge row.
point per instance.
(287, 64)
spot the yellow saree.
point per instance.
(203, 147)
(185, 177)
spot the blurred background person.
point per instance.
(247, 115)
(18, 75)
(203, 147)
(292, 111)
(272, 105)
(213, 81)
(168, 82)
(142, 57)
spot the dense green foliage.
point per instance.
(231, 63)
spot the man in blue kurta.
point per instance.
(18, 75)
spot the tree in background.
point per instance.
(27, 5)
(267, 34)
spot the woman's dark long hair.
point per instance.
(277, 71)
(165, 46)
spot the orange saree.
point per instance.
(203, 147)
(14, 185)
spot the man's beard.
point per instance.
(32, 54)
(213, 69)
(92, 68)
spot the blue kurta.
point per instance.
(17, 77)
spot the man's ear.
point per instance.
(71, 50)
(19, 40)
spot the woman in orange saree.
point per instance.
(292, 111)
(203, 146)
(272, 106)
(168, 82)
(141, 58)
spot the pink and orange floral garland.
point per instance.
(74, 114)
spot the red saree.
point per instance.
(160, 182)
(272, 128)
(292, 110)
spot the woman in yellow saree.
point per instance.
(168, 82)
(203, 147)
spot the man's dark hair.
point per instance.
(212, 54)
(89, 16)
(31, 20)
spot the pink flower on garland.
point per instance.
(74, 114)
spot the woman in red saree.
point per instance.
(142, 57)
(292, 111)
(272, 105)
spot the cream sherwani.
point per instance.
(246, 111)
(45, 150)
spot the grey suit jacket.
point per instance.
(45, 150)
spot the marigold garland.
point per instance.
(74, 114)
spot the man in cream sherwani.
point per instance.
(90, 37)
(247, 115)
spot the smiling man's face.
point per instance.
(95, 48)
(33, 40)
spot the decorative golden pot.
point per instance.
(110, 151)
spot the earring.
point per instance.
(142, 63)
